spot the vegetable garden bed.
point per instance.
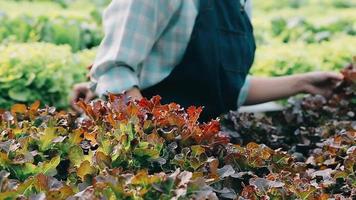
(145, 150)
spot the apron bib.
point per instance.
(216, 62)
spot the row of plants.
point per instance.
(302, 36)
(277, 59)
(126, 149)
(44, 55)
(63, 3)
(78, 33)
(44, 71)
(82, 34)
(292, 29)
(262, 4)
(67, 3)
(300, 4)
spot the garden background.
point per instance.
(46, 45)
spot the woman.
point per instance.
(193, 52)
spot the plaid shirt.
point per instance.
(144, 40)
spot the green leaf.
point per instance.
(21, 189)
(45, 141)
(149, 153)
(197, 150)
(76, 155)
(30, 79)
(22, 172)
(85, 169)
(306, 194)
(102, 160)
(20, 94)
(49, 167)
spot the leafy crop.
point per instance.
(38, 71)
(66, 3)
(319, 133)
(77, 33)
(296, 29)
(126, 149)
(296, 4)
(293, 58)
(297, 36)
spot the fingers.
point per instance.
(333, 79)
(74, 96)
(74, 99)
(81, 91)
(89, 96)
(334, 76)
(134, 94)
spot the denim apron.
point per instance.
(216, 62)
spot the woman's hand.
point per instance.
(81, 91)
(134, 94)
(321, 83)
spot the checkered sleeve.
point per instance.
(131, 29)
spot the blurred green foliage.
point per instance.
(298, 28)
(79, 34)
(296, 36)
(32, 71)
(297, 4)
(287, 59)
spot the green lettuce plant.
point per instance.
(38, 71)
